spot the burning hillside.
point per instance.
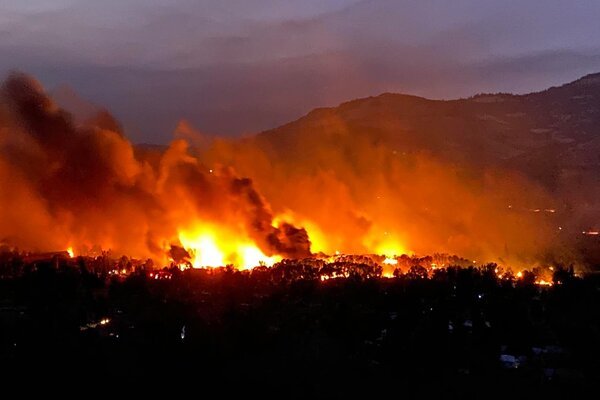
(255, 201)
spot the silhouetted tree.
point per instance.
(417, 272)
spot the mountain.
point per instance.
(550, 136)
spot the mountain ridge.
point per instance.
(505, 126)
(593, 78)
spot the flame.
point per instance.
(203, 249)
(390, 248)
(252, 257)
(390, 261)
(210, 246)
(387, 274)
(71, 252)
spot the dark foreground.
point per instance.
(458, 333)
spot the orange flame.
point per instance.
(210, 246)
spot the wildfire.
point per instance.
(212, 247)
(247, 207)
(387, 274)
(390, 246)
(319, 240)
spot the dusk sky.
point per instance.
(234, 67)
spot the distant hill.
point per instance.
(551, 136)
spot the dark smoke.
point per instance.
(84, 186)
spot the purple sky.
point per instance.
(240, 66)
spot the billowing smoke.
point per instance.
(356, 192)
(86, 186)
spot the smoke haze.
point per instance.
(83, 186)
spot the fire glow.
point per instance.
(87, 190)
(208, 249)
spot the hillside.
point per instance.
(550, 136)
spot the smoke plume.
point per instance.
(86, 186)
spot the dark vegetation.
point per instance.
(452, 332)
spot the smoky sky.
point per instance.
(234, 67)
